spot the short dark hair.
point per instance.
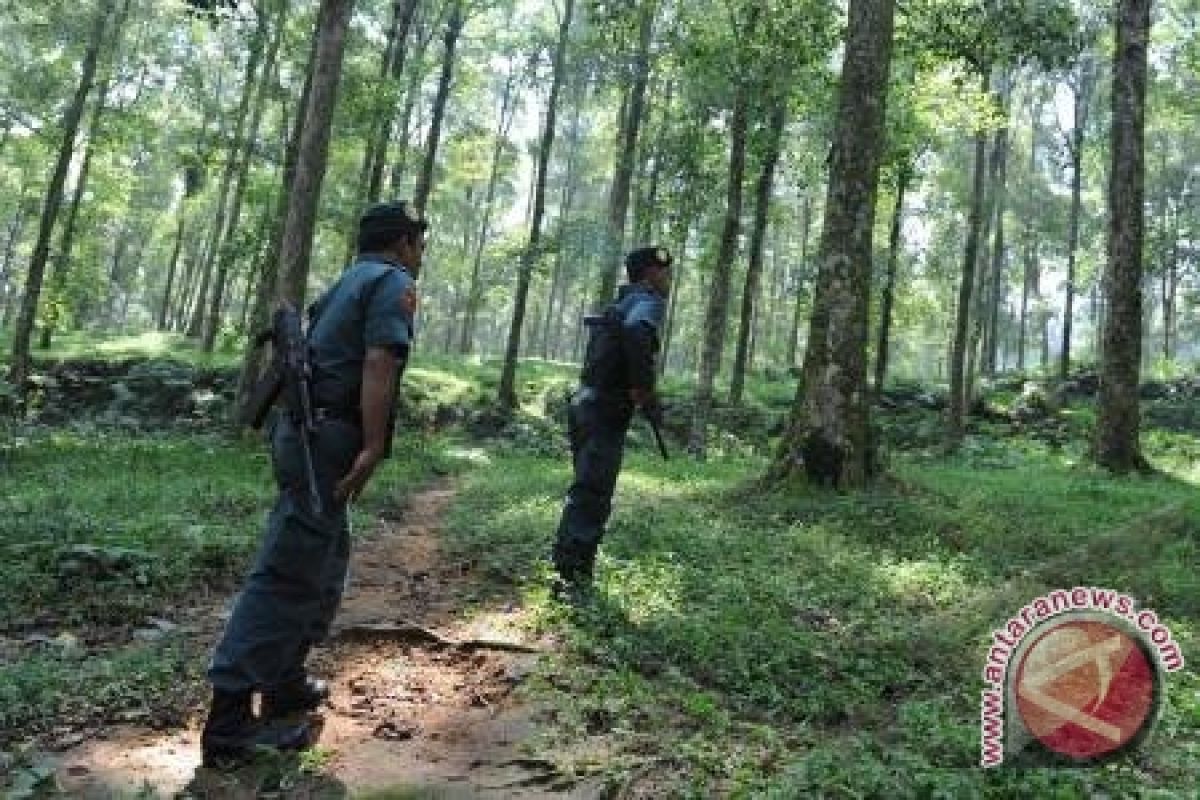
(383, 224)
(642, 259)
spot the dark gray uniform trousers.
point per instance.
(596, 426)
(293, 592)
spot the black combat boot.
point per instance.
(303, 694)
(232, 733)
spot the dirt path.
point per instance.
(422, 701)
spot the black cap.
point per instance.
(638, 261)
(395, 218)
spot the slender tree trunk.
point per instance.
(425, 179)
(830, 424)
(1083, 94)
(171, 268)
(558, 278)
(997, 284)
(225, 253)
(221, 230)
(62, 260)
(957, 402)
(7, 287)
(393, 65)
(802, 266)
(758, 235)
(504, 123)
(903, 178)
(19, 367)
(717, 311)
(618, 196)
(1118, 414)
(311, 158)
(680, 237)
(508, 394)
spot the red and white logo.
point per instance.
(1085, 688)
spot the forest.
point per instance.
(929, 354)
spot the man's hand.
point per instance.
(647, 401)
(351, 486)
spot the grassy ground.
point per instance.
(744, 642)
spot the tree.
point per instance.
(450, 39)
(1118, 414)
(19, 368)
(829, 430)
(326, 71)
(508, 394)
(1082, 82)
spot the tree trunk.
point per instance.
(508, 376)
(758, 235)
(503, 125)
(1083, 95)
(798, 308)
(425, 179)
(830, 424)
(164, 308)
(313, 152)
(243, 146)
(1118, 414)
(717, 311)
(957, 402)
(618, 196)
(19, 367)
(558, 279)
(62, 260)
(903, 178)
(997, 285)
(376, 153)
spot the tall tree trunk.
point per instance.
(1118, 414)
(504, 123)
(758, 235)
(508, 376)
(903, 178)
(717, 312)
(19, 367)
(997, 284)
(180, 230)
(1083, 95)
(225, 253)
(7, 287)
(957, 402)
(62, 260)
(618, 196)
(802, 266)
(425, 179)
(292, 281)
(830, 424)
(558, 278)
(1030, 282)
(221, 229)
(375, 155)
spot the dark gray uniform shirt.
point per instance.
(371, 305)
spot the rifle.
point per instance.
(289, 375)
(609, 320)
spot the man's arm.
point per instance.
(378, 393)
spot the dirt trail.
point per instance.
(422, 701)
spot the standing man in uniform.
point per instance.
(619, 374)
(360, 332)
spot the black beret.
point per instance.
(391, 217)
(643, 258)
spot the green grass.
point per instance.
(150, 344)
(797, 642)
(748, 643)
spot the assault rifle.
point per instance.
(289, 375)
(653, 415)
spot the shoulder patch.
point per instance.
(408, 301)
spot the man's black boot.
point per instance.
(304, 694)
(232, 733)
